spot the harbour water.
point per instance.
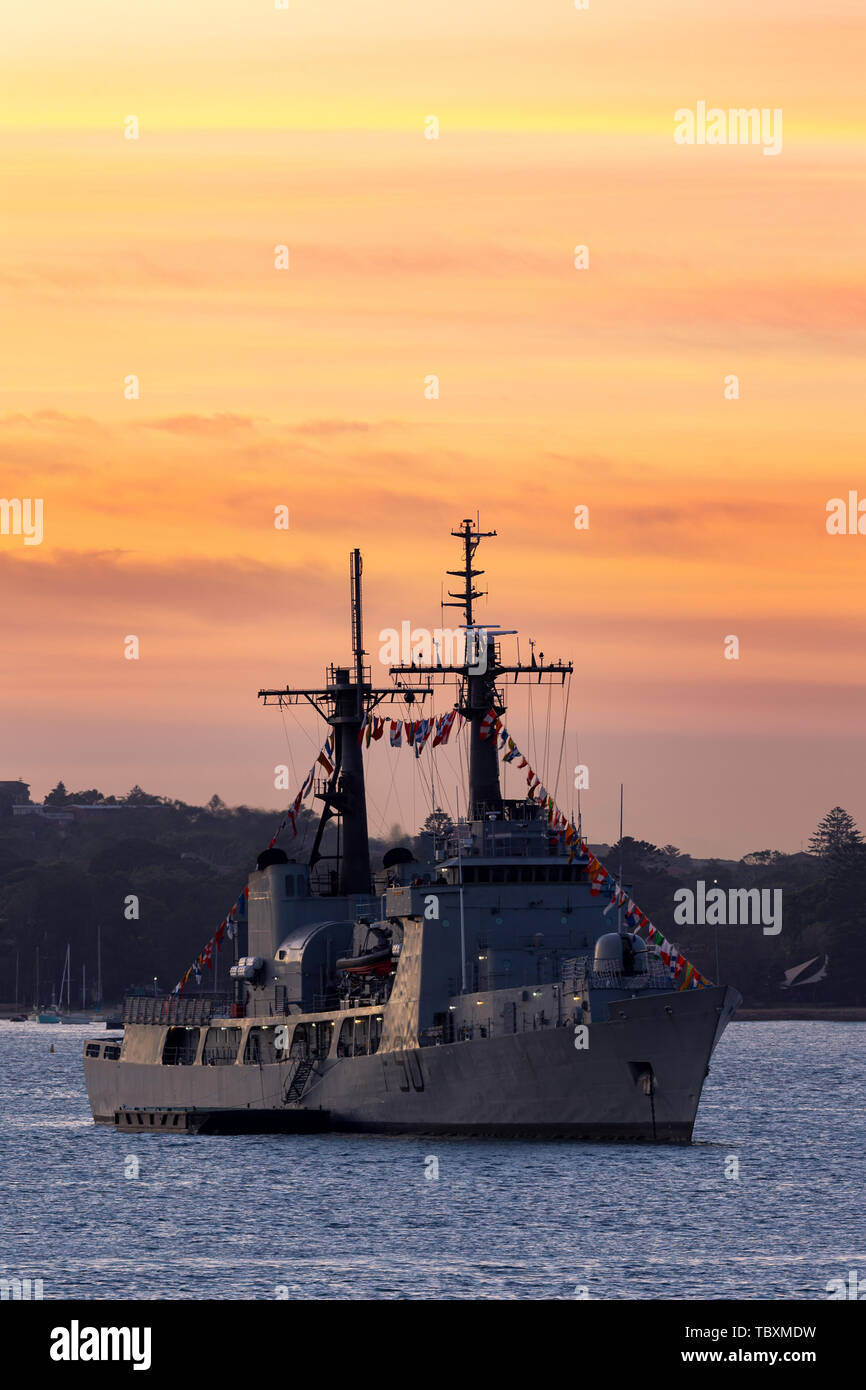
(96, 1214)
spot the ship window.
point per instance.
(111, 1052)
(346, 1040)
(499, 875)
(260, 1047)
(220, 1047)
(180, 1047)
(290, 885)
(525, 875)
(359, 1037)
(567, 873)
(511, 874)
(468, 875)
(354, 1036)
(540, 874)
(91, 1050)
(300, 1041)
(483, 874)
(553, 873)
(322, 1035)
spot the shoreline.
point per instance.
(828, 1013)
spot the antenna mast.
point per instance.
(478, 674)
(356, 568)
(345, 701)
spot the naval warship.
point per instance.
(482, 988)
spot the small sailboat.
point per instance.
(37, 1013)
(59, 1014)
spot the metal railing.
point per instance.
(219, 1056)
(178, 1056)
(581, 973)
(175, 1008)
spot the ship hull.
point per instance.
(639, 1079)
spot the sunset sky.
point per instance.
(412, 257)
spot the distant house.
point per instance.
(16, 791)
(73, 810)
(13, 794)
(53, 813)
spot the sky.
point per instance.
(410, 258)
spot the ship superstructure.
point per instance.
(480, 988)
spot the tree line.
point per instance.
(68, 882)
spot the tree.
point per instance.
(438, 822)
(836, 835)
(137, 797)
(638, 856)
(58, 797)
(216, 804)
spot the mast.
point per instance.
(346, 701)
(64, 980)
(479, 691)
(619, 885)
(479, 676)
(349, 799)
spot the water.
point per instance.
(328, 1216)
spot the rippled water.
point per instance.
(330, 1216)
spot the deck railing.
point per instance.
(175, 1008)
(581, 972)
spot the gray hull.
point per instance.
(531, 1084)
